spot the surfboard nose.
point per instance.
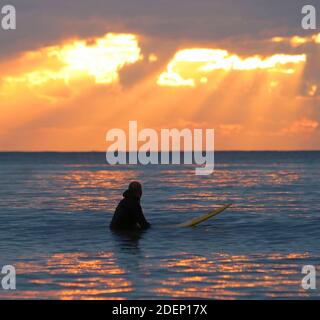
(195, 221)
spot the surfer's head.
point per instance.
(135, 188)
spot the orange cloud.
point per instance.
(191, 66)
(296, 41)
(302, 126)
(101, 59)
(230, 129)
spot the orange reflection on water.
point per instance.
(217, 276)
(75, 276)
(91, 190)
(233, 276)
(195, 190)
(282, 177)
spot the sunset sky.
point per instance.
(75, 69)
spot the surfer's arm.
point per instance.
(141, 220)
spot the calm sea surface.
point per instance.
(55, 209)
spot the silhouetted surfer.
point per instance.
(128, 214)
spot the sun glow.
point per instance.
(65, 96)
(101, 59)
(191, 65)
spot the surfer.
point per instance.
(128, 214)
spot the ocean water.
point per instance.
(55, 209)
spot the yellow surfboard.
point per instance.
(193, 222)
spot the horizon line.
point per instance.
(99, 151)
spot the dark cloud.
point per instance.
(42, 22)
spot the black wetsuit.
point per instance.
(128, 214)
